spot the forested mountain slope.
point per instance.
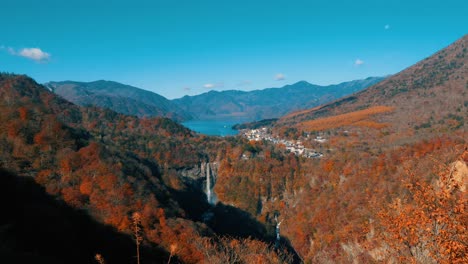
(113, 166)
(121, 98)
(391, 185)
(431, 95)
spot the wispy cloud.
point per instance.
(358, 62)
(387, 27)
(280, 77)
(213, 85)
(8, 49)
(35, 54)
(244, 83)
(187, 89)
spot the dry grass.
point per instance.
(357, 118)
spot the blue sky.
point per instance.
(192, 46)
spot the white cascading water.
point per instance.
(208, 183)
(278, 237)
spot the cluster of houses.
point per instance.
(295, 147)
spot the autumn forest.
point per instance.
(90, 185)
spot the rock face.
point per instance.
(203, 177)
(459, 175)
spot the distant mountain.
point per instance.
(267, 103)
(231, 105)
(430, 96)
(119, 97)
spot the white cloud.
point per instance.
(213, 85)
(386, 27)
(34, 54)
(358, 62)
(280, 77)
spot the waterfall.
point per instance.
(210, 195)
(277, 231)
(208, 183)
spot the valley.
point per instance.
(367, 171)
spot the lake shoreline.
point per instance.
(213, 127)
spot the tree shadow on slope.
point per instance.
(36, 228)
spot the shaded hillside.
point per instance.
(76, 154)
(267, 103)
(37, 228)
(121, 98)
(430, 96)
(112, 166)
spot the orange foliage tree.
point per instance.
(431, 224)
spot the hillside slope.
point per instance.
(430, 96)
(121, 98)
(111, 166)
(267, 103)
(391, 184)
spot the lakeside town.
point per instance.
(293, 146)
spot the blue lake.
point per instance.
(212, 127)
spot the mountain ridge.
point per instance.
(227, 104)
(268, 102)
(122, 98)
(425, 95)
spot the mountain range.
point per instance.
(225, 105)
(267, 103)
